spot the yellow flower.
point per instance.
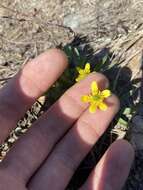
(83, 72)
(96, 98)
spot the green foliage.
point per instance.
(102, 65)
(125, 118)
(76, 59)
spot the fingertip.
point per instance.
(41, 72)
(117, 159)
(52, 58)
(113, 168)
(113, 102)
(100, 78)
(124, 148)
(58, 55)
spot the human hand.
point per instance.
(47, 156)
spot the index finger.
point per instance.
(31, 81)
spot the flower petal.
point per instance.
(87, 68)
(92, 108)
(80, 71)
(106, 93)
(79, 78)
(103, 106)
(94, 88)
(85, 98)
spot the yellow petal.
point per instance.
(103, 106)
(94, 88)
(87, 68)
(85, 98)
(92, 108)
(106, 93)
(79, 78)
(80, 71)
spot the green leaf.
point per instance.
(127, 111)
(122, 122)
(104, 59)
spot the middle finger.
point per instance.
(33, 147)
(72, 149)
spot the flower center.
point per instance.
(97, 97)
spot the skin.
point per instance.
(47, 156)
